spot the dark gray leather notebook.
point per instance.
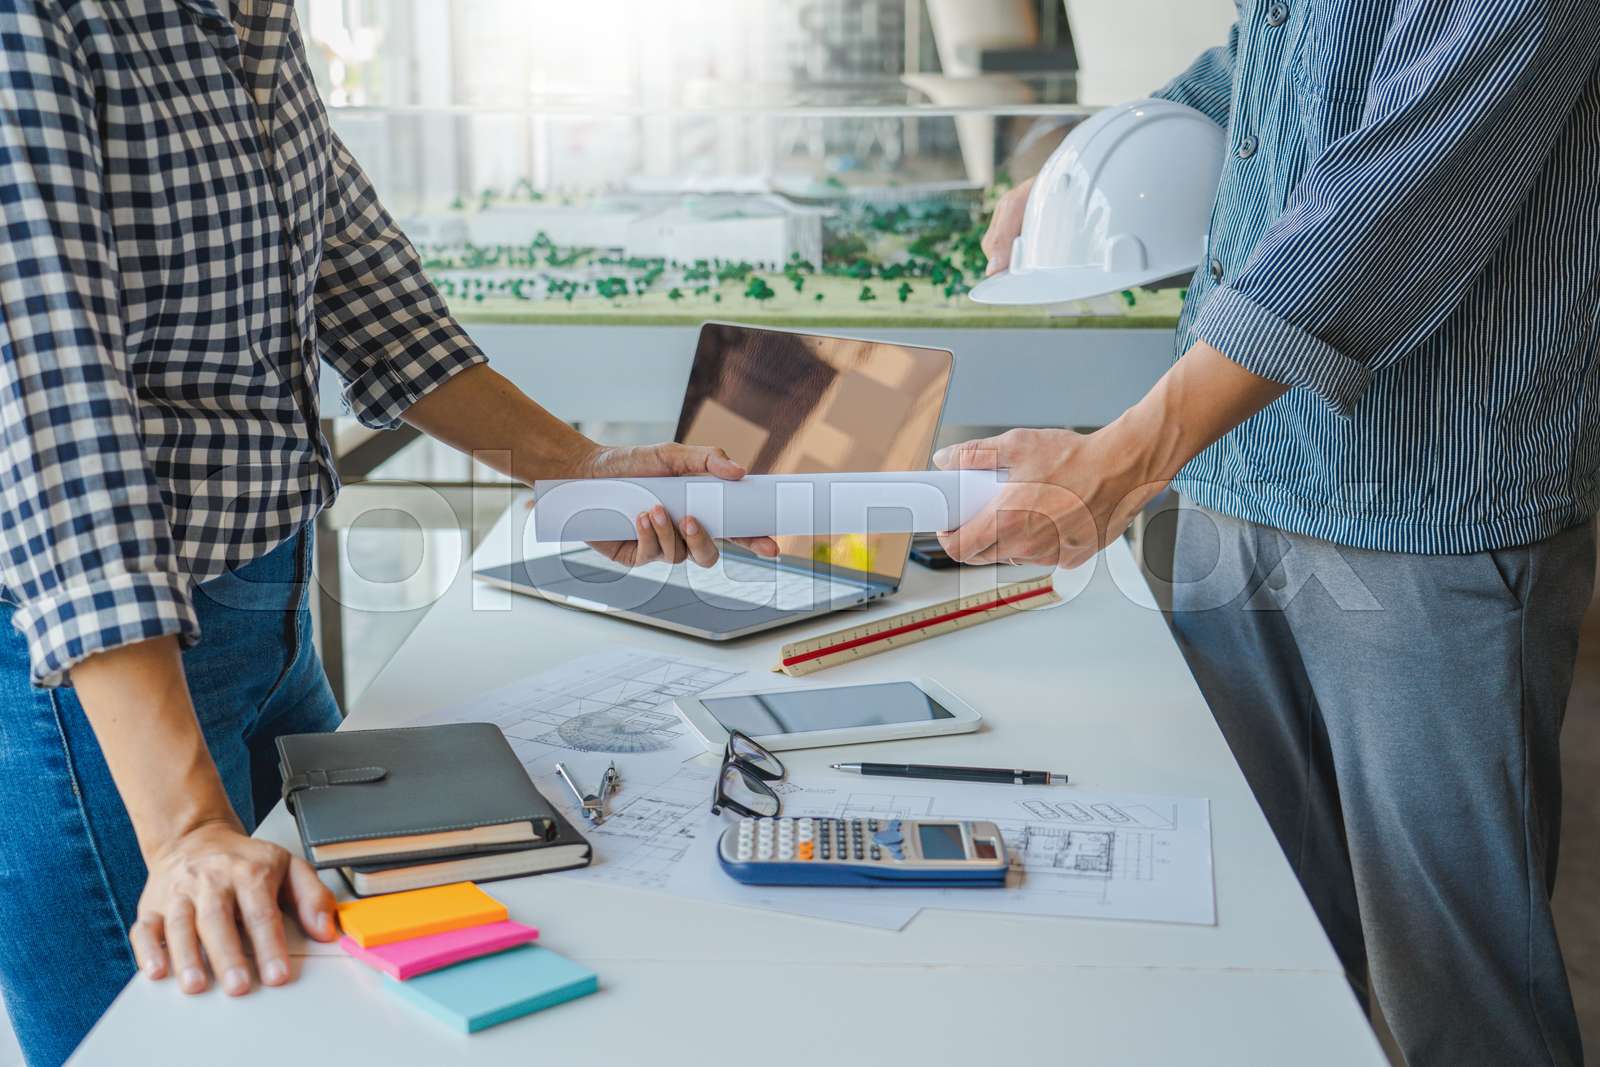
(411, 794)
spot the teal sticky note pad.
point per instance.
(481, 993)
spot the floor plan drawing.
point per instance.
(1103, 813)
(883, 806)
(645, 837)
(612, 704)
(1115, 857)
(1085, 852)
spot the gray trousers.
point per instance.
(1398, 717)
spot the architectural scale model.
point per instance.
(891, 258)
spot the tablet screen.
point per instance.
(805, 710)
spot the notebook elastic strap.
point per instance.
(321, 779)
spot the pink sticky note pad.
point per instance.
(419, 955)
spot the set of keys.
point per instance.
(593, 805)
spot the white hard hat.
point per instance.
(1125, 200)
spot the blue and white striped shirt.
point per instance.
(1407, 233)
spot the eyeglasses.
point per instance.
(742, 784)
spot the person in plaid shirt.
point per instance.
(184, 239)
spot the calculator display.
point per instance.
(940, 841)
(800, 711)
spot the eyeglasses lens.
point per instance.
(741, 788)
(747, 750)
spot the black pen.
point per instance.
(954, 774)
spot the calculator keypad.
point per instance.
(817, 840)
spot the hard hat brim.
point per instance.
(1057, 285)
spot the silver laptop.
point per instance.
(779, 402)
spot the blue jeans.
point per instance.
(70, 869)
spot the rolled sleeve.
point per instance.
(1391, 224)
(382, 325)
(1271, 346)
(73, 622)
(86, 550)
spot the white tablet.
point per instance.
(836, 715)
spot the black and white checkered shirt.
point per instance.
(183, 237)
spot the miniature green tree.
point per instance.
(1128, 297)
(458, 204)
(758, 289)
(818, 298)
(675, 294)
(866, 294)
(904, 291)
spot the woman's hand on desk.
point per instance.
(206, 878)
(207, 885)
(658, 537)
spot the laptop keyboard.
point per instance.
(739, 580)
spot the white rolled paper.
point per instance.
(760, 505)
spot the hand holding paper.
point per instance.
(652, 533)
(605, 509)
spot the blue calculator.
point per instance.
(864, 852)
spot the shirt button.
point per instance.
(1247, 147)
(1216, 271)
(1277, 14)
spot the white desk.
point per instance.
(1096, 684)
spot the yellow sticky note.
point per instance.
(395, 917)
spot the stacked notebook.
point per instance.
(453, 952)
(422, 806)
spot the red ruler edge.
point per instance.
(857, 642)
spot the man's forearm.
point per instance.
(137, 700)
(1203, 396)
(481, 413)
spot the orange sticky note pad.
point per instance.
(395, 917)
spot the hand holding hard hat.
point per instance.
(1124, 201)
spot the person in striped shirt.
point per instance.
(1384, 426)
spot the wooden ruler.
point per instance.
(881, 635)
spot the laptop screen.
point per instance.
(795, 403)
